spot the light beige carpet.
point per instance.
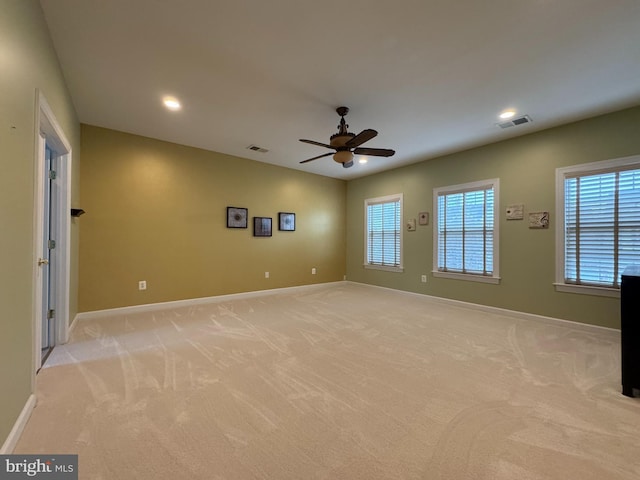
(340, 381)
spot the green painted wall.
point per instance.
(156, 211)
(526, 168)
(27, 62)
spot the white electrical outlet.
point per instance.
(313, 271)
(142, 285)
(266, 274)
(424, 279)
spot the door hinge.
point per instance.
(52, 244)
(52, 174)
(51, 313)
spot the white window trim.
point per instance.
(561, 174)
(386, 199)
(482, 184)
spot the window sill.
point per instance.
(384, 268)
(466, 276)
(587, 290)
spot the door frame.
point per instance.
(48, 131)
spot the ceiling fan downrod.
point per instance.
(342, 128)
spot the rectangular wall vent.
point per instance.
(515, 121)
(256, 148)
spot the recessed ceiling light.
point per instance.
(507, 114)
(362, 160)
(171, 103)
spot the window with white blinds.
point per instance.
(465, 237)
(383, 233)
(601, 222)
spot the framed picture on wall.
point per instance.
(286, 221)
(539, 220)
(261, 226)
(237, 217)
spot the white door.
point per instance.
(48, 259)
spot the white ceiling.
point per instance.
(430, 76)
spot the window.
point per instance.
(383, 233)
(598, 225)
(466, 231)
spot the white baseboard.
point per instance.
(12, 440)
(193, 301)
(503, 311)
(259, 293)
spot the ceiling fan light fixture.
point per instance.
(343, 156)
(347, 144)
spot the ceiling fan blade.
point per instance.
(315, 158)
(316, 143)
(363, 136)
(348, 164)
(374, 152)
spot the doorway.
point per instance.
(52, 235)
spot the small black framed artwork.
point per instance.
(261, 226)
(237, 217)
(286, 221)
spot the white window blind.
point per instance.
(601, 225)
(466, 229)
(383, 231)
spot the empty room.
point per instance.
(320, 240)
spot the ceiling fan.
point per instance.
(347, 144)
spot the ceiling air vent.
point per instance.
(256, 148)
(515, 121)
